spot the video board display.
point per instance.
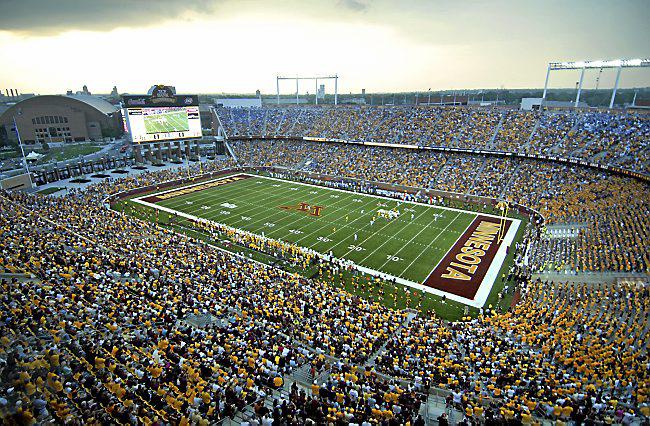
(162, 116)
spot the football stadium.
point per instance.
(317, 253)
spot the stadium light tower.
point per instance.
(619, 64)
(334, 77)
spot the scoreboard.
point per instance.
(161, 116)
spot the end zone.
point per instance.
(160, 196)
(473, 262)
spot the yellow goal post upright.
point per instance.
(503, 206)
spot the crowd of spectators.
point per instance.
(516, 128)
(107, 328)
(612, 138)
(569, 352)
(109, 295)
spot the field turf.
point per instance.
(407, 247)
(173, 121)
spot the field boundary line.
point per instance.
(384, 197)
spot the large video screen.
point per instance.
(152, 124)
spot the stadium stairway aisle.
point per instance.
(373, 357)
(301, 375)
(231, 151)
(490, 144)
(435, 406)
(527, 145)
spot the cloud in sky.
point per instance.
(53, 16)
(239, 45)
(357, 5)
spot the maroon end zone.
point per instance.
(463, 268)
(190, 189)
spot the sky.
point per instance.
(239, 46)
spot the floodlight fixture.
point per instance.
(334, 77)
(619, 64)
(613, 63)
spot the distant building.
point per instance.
(288, 101)
(11, 95)
(529, 104)
(639, 104)
(442, 100)
(61, 119)
(353, 101)
(240, 102)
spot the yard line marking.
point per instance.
(358, 230)
(382, 244)
(243, 200)
(366, 239)
(414, 237)
(200, 196)
(384, 197)
(334, 222)
(432, 241)
(338, 221)
(329, 209)
(261, 193)
(246, 200)
(280, 212)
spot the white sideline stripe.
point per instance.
(481, 294)
(493, 271)
(380, 196)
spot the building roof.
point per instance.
(96, 102)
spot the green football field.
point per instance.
(173, 121)
(349, 225)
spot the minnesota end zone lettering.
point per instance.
(462, 270)
(305, 208)
(196, 188)
(472, 251)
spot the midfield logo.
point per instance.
(304, 207)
